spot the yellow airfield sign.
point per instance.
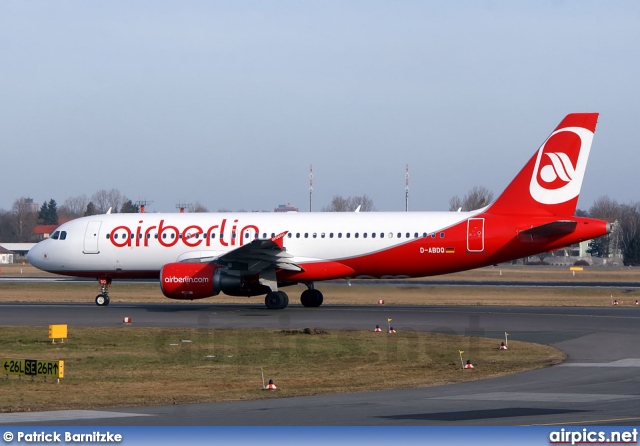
(32, 367)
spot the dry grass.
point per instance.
(361, 293)
(129, 366)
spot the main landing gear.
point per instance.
(311, 298)
(102, 299)
(277, 300)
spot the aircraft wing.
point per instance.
(257, 256)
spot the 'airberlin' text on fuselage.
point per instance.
(192, 236)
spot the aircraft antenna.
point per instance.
(406, 191)
(310, 185)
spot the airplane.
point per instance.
(199, 255)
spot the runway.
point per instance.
(598, 384)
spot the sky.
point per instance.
(228, 103)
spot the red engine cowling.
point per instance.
(188, 280)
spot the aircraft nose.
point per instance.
(37, 256)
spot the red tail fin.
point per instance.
(551, 180)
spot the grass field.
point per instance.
(361, 293)
(128, 366)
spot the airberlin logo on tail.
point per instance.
(560, 165)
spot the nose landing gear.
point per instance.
(102, 299)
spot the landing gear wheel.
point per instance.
(102, 300)
(311, 298)
(276, 300)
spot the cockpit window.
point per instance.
(55, 235)
(63, 235)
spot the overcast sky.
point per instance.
(228, 103)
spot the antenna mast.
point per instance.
(142, 204)
(406, 191)
(310, 185)
(182, 206)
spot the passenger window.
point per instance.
(356, 235)
(382, 235)
(155, 236)
(264, 235)
(399, 234)
(348, 235)
(408, 235)
(433, 235)
(331, 235)
(442, 235)
(172, 235)
(148, 236)
(415, 235)
(364, 235)
(108, 236)
(297, 235)
(164, 235)
(322, 235)
(315, 234)
(115, 236)
(306, 235)
(373, 235)
(424, 234)
(289, 235)
(339, 234)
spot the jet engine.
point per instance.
(196, 280)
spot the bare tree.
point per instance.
(24, 218)
(198, 207)
(73, 207)
(455, 203)
(478, 197)
(338, 204)
(350, 204)
(608, 209)
(629, 220)
(605, 208)
(105, 199)
(365, 203)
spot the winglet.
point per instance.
(279, 239)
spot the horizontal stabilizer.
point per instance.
(560, 227)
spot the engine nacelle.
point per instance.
(196, 280)
(188, 280)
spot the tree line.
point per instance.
(17, 224)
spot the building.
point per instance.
(286, 208)
(18, 250)
(6, 256)
(42, 232)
